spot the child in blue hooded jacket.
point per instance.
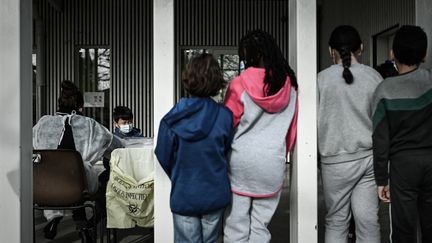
(193, 141)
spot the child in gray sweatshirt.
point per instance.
(344, 140)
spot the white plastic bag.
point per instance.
(130, 188)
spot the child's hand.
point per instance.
(384, 193)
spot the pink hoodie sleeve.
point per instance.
(233, 100)
(292, 132)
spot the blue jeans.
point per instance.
(194, 229)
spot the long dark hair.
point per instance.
(259, 44)
(346, 40)
(70, 99)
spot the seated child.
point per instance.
(123, 122)
(123, 129)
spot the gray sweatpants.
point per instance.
(247, 218)
(350, 187)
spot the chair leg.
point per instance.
(101, 235)
(108, 230)
(101, 230)
(94, 231)
(115, 235)
(94, 224)
(34, 230)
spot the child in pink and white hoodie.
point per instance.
(263, 100)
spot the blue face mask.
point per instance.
(127, 128)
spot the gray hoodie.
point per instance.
(266, 128)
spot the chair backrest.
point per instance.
(58, 177)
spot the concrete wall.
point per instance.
(15, 124)
(163, 92)
(369, 17)
(224, 22)
(303, 188)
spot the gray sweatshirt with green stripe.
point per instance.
(402, 119)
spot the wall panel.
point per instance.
(123, 26)
(224, 22)
(369, 17)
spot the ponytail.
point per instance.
(346, 40)
(346, 64)
(70, 99)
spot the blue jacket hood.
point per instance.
(192, 118)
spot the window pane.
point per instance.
(230, 74)
(103, 69)
(94, 81)
(231, 62)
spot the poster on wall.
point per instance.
(94, 99)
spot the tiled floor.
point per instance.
(279, 226)
(68, 234)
